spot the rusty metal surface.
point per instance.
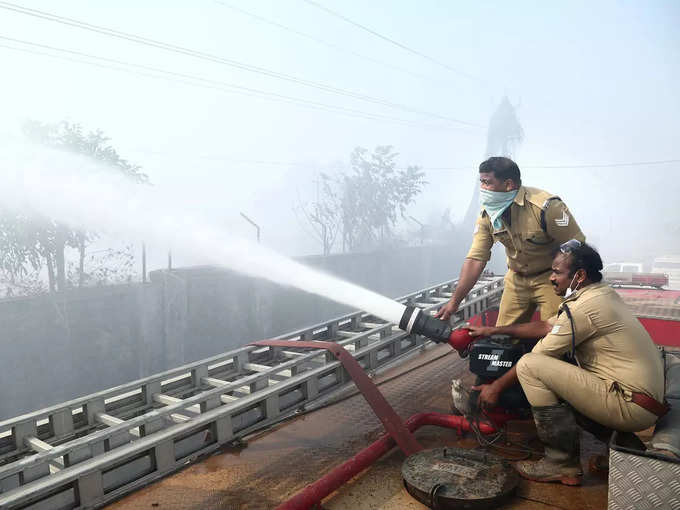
(276, 464)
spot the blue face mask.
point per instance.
(495, 202)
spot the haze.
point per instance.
(593, 84)
(594, 87)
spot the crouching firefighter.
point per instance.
(595, 367)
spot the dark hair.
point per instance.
(502, 169)
(585, 257)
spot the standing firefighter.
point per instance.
(531, 224)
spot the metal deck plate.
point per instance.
(458, 478)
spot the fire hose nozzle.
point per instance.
(414, 320)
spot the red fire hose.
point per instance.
(315, 492)
(398, 433)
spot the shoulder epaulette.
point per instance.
(544, 208)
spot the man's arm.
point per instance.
(475, 261)
(556, 342)
(469, 274)
(559, 340)
(490, 393)
(527, 331)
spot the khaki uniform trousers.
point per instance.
(523, 294)
(545, 380)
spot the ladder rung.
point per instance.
(254, 367)
(213, 381)
(348, 334)
(372, 325)
(112, 421)
(168, 401)
(36, 444)
(179, 418)
(39, 446)
(293, 354)
(108, 420)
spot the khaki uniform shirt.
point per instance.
(610, 341)
(528, 247)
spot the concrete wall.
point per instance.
(226, 309)
(58, 347)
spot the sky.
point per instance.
(593, 83)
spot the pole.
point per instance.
(143, 262)
(257, 227)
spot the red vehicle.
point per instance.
(656, 280)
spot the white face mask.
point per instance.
(569, 290)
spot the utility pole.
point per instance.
(503, 136)
(257, 227)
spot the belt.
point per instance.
(650, 404)
(528, 275)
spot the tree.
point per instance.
(323, 214)
(28, 244)
(365, 203)
(374, 196)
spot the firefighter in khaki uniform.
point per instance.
(531, 224)
(612, 378)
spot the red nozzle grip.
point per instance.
(460, 339)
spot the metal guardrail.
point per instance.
(88, 451)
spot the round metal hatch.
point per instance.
(452, 478)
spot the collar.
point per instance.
(583, 290)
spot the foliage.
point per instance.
(365, 203)
(94, 144)
(108, 266)
(30, 284)
(323, 214)
(30, 244)
(375, 195)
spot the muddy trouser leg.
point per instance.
(600, 432)
(559, 433)
(547, 380)
(604, 434)
(516, 301)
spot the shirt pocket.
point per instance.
(504, 237)
(537, 238)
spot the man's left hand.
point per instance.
(488, 395)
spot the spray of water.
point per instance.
(83, 194)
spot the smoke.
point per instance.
(83, 194)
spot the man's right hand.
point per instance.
(481, 330)
(446, 311)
